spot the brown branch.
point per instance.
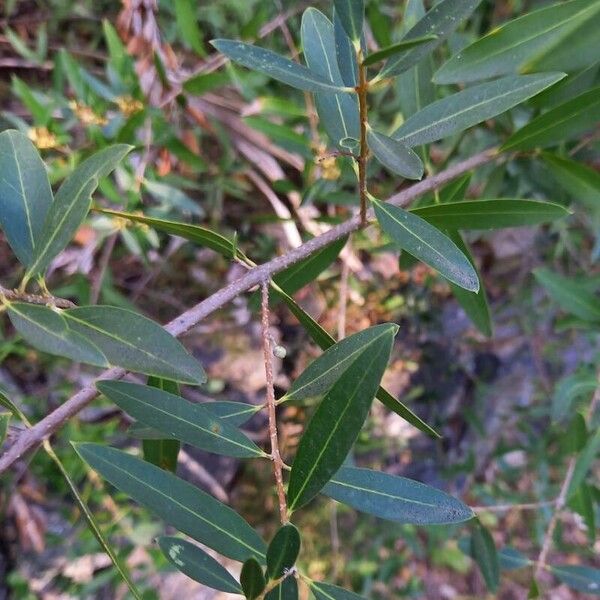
(268, 357)
(33, 437)
(42, 300)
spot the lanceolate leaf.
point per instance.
(337, 421)
(47, 330)
(569, 389)
(252, 579)
(197, 564)
(425, 242)
(134, 342)
(506, 49)
(286, 590)
(276, 66)
(511, 559)
(4, 422)
(193, 233)
(345, 53)
(72, 204)
(179, 419)
(441, 21)
(320, 376)
(338, 113)
(25, 194)
(397, 48)
(469, 107)
(581, 578)
(490, 214)
(565, 122)
(324, 341)
(395, 498)
(483, 551)
(351, 14)
(283, 551)
(394, 155)
(570, 296)
(326, 591)
(179, 503)
(581, 182)
(475, 304)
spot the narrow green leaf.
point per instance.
(396, 48)
(321, 375)
(286, 590)
(510, 47)
(351, 14)
(47, 330)
(483, 552)
(72, 204)
(425, 242)
(134, 342)
(326, 591)
(177, 418)
(511, 559)
(206, 82)
(187, 23)
(25, 194)
(576, 434)
(571, 86)
(338, 420)
(252, 579)
(475, 304)
(569, 295)
(585, 460)
(414, 87)
(160, 451)
(557, 125)
(324, 341)
(569, 389)
(120, 567)
(283, 551)
(345, 53)
(581, 182)
(395, 498)
(583, 503)
(275, 66)
(194, 233)
(580, 578)
(4, 423)
(442, 20)
(490, 214)
(198, 565)
(471, 106)
(534, 590)
(394, 155)
(338, 113)
(179, 503)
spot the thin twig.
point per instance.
(43, 300)
(268, 356)
(107, 251)
(33, 437)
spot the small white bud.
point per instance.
(279, 352)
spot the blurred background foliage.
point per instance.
(232, 150)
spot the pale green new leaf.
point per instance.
(442, 20)
(180, 504)
(394, 155)
(562, 123)
(326, 591)
(352, 15)
(179, 419)
(471, 106)
(570, 296)
(187, 22)
(134, 342)
(338, 420)
(4, 422)
(338, 113)
(198, 565)
(25, 194)
(395, 498)
(425, 242)
(276, 66)
(490, 214)
(72, 204)
(508, 48)
(568, 390)
(581, 182)
(47, 330)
